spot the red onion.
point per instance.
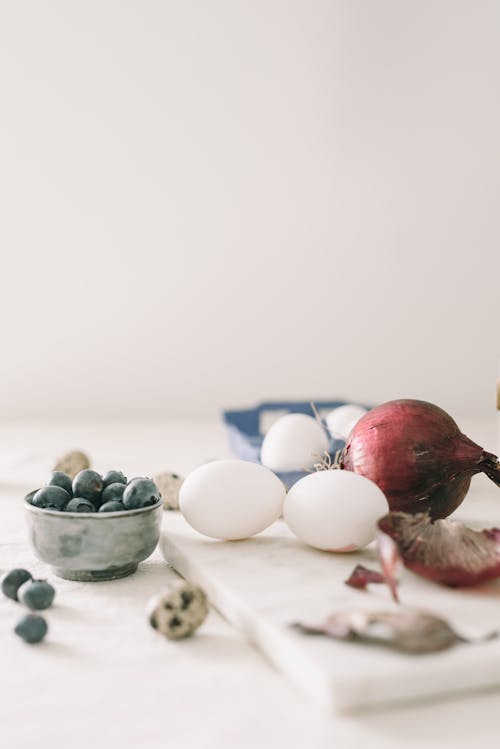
(418, 456)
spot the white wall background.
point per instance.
(210, 202)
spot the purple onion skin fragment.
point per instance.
(362, 576)
(445, 551)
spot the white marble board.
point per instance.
(263, 584)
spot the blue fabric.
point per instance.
(245, 439)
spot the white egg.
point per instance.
(231, 499)
(341, 420)
(293, 443)
(334, 510)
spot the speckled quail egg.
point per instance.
(169, 485)
(178, 611)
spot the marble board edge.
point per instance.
(283, 650)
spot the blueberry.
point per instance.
(113, 491)
(32, 628)
(37, 594)
(112, 506)
(113, 477)
(80, 504)
(88, 484)
(140, 493)
(12, 581)
(61, 479)
(51, 498)
(29, 497)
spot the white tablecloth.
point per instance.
(104, 678)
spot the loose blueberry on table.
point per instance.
(31, 628)
(19, 585)
(13, 580)
(36, 594)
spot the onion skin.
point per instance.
(362, 576)
(407, 630)
(415, 452)
(444, 551)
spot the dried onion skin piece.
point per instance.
(362, 576)
(445, 551)
(406, 630)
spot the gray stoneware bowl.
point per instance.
(96, 546)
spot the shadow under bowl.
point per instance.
(89, 547)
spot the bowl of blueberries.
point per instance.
(94, 527)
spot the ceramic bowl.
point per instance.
(93, 546)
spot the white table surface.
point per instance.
(104, 678)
